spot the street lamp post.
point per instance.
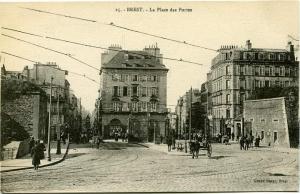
(49, 124)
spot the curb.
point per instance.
(140, 144)
(45, 165)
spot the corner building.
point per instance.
(133, 93)
(236, 72)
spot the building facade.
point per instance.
(133, 93)
(183, 107)
(270, 120)
(237, 72)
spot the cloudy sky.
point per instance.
(210, 24)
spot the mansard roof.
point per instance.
(134, 60)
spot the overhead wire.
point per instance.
(52, 50)
(33, 61)
(104, 48)
(122, 27)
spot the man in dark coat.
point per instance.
(242, 142)
(35, 153)
(169, 142)
(41, 148)
(31, 144)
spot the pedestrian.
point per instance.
(31, 144)
(232, 136)
(161, 138)
(41, 148)
(247, 141)
(98, 142)
(169, 142)
(257, 139)
(35, 156)
(242, 143)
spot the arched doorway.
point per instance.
(114, 125)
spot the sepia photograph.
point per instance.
(149, 96)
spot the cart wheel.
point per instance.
(209, 150)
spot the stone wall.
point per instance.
(30, 111)
(269, 119)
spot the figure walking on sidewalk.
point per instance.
(35, 153)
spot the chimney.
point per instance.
(290, 48)
(248, 45)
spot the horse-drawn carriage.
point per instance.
(197, 145)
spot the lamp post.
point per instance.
(49, 124)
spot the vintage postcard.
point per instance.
(154, 96)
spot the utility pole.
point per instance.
(58, 151)
(191, 99)
(49, 124)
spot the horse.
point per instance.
(194, 148)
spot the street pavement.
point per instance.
(123, 167)
(26, 161)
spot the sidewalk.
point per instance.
(164, 148)
(26, 161)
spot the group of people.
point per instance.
(37, 149)
(123, 135)
(247, 141)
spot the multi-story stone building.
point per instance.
(273, 121)
(183, 108)
(133, 93)
(236, 72)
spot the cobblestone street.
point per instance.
(130, 167)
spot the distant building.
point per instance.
(271, 120)
(133, 93)
(182, 110)
(236, 72)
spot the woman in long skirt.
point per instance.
(35, 157)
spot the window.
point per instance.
(256, 56)
(143, 78)
(256, 70)
(267, 83)
(281, 57)
(287, 71)
(277, 83)
(134, 106)
(125, 91)
(281, 73)
(115, 90)
(276, 71)
(115, 77)
(153, 78)
(227, 70)
(286, 83)
(262, 70)
(134, 90)
(144, 106)
(117, 106)
(256, 83)
(242, 70)
(153, 106)
(227, 98)
(267, 71)
(271, 71)
(275, 136)
(227, 113)
(153, 91)
(135, 78)
(261, 56)
(144, 91)
(262, 135)
(227, 84)
(271, 56)
(262, 120)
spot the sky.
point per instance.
(209, 24)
